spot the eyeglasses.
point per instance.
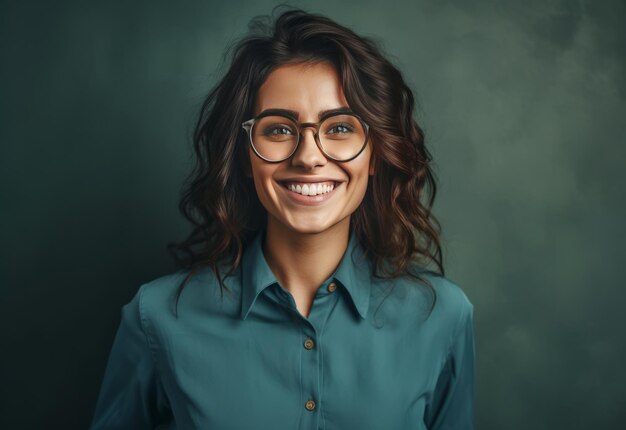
(275, 137)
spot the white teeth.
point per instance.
(311, 189)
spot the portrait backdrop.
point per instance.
(523, 107)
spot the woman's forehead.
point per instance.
(306, 89)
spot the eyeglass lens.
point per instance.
(275, 137)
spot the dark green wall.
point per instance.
(523, 104)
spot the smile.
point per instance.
(310, 188)
(310, 193)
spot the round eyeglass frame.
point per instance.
(247, 125)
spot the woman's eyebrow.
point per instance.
(295, 114)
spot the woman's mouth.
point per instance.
(310, 188)
(310, 193)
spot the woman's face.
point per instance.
(308, 89)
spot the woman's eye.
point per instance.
(340, 128)
(277, 131)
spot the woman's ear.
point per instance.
(372, 165)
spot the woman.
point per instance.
(311, 202)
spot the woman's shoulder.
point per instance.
(450, 294)
(432, 297)
(161, 293)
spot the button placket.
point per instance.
(311, 358)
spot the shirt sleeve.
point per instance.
(131, 394)
(452, 404)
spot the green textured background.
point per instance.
(523, 104)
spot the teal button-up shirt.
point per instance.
(366, 357)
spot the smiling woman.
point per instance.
(301, 226)
(311, 204)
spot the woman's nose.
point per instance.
(308, 153)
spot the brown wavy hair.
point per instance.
(394, 223)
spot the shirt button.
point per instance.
(309, 344)
(310, 405)
(332, 287)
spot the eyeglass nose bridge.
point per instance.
(316, 129)
(316, 138)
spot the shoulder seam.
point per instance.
(144, 328)
(463, 318)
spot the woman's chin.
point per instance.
(310, 227)
(308, 224)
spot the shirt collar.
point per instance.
(353, 273)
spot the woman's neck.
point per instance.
(303, 261)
